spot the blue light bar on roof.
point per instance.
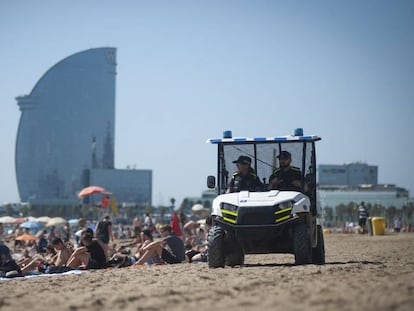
(228, 138)
(263, 139)
(227, 134)
(298, 132)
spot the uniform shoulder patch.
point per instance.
(276, 170)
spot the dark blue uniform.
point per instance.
(248, 182)
(286, 177)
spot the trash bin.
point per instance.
(326, 231)
(378, 225)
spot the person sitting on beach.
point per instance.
(196, 254)
(24, 259)
(91, 255)
(42, 262)
(52, 263)
(190, 230)
(63, 252)
(190, 252)
(199, 253)
(109, 251)
(194, 234)
(122, 260)
(8, 266)
(175, 252)
(4, 250)
(27, 260)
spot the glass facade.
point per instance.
(356, 182)
(67, 129)
(127, 186)
(352, 174)
(385, 195)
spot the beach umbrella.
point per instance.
(26, 237)
(56, 221)
(43, 219)
(73, 222)
(200, 210)
(19, 220)
(197, 208)
(7, 220)
(90, 190)
(31, 225)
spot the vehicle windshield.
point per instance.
(264, 159)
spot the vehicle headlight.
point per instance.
(229, 207)
(287, 204)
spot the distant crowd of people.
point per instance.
(54, 251)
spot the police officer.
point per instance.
(286, 177)
(245, 178)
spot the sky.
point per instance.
(189, 70)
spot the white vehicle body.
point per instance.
(299, 202)
(258, 220)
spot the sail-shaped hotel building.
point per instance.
(65, 139)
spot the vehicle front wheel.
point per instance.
(215, 247)
(302, 245)
(233, 252)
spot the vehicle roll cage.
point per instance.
(222, 172)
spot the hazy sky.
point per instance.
(187, 70)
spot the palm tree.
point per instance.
(172, 200)
(390, 214)
(328, 211)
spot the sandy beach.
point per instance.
(361, 273)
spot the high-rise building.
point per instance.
(352, 174)
(66, 132)
(356, 182)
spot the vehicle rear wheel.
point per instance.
(215, 247)
(233, 252)
(318, 253)
(301, 244)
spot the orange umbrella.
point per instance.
(90, 190)
(26, 237)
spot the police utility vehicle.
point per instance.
(265, 221)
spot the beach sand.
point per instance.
(361, 273)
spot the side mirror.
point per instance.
(211, 182)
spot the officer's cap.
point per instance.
(243, 160)
(284, 155)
